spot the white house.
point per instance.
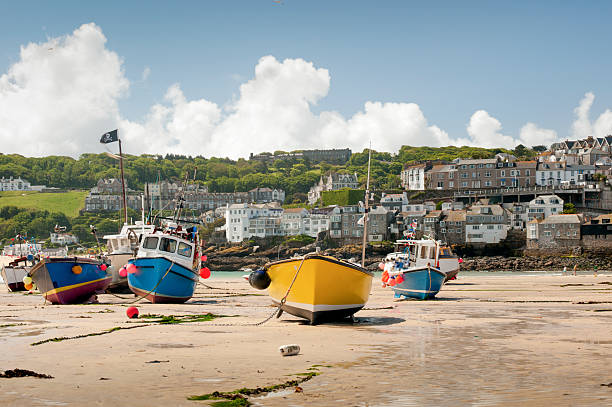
(413, 177)
(319, 221)
(243, 221)
(543, 206)
(63, 238)
(576, 174)
(394, 202)
(294, 220)
(332, 182)
(14, 184)
(550, 173)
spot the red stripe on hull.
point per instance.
(158, 299)
(78, 294)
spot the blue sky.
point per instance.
(518, 61)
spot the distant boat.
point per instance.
(415, 271)
(447, 261)
(165, 269)
(69, 280)
(121, 248)
(15, 271)
(325, 288)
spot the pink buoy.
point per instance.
(204, 272)
(460, 260)
(132, 312)
(103, 267)
(122, 272)
(131, 268)
(204, 257)
(381, 265)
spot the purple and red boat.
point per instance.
(70, 280)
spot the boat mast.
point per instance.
(125, 214)
(366, 213)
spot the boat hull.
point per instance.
(160, 280)
(325, 289)
(421, 283)
(58, 283)
(13, 277)
(118, 260)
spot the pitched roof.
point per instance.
(563, 218)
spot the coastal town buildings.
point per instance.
(331, 156)
(486, 224)
(543, 206)
(394, 202)
(332, 182)
(265, 195)
(413, 177)
(63, 238)
(554, 231)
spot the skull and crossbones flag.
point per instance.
(109, 137)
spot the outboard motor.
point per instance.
(259, 279)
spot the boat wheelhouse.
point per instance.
(165, 269)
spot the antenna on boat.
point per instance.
(366, 210)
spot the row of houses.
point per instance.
(19, 184)
(393, 218)
(568, 163)
(567, 231)
(107, 196)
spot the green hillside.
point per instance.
(68, 203)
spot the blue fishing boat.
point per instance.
(69, 280)
(165, 269)
(405, 273)
(417, 282)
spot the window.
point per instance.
(502, 173)
(150, 243)
(167, 245)
(184, 249)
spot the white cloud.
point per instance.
(145, 74)
(61, 95)
(484, 131)
(581, 128)
(532, 135)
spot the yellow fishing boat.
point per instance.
(315, 287)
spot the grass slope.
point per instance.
(68, 203)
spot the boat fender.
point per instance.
(259, 279)
(289, 350)
(399, 279)
(392, 281)
(77, 269)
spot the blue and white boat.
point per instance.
(415, 272)
(166, 266)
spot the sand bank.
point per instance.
(486, 340)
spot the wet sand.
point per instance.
(487, 340)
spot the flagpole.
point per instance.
(125, 214)
(366, 214)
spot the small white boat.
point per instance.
(15, 271)
(122, 247)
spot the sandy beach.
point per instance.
(488, 339)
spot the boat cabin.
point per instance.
(173, 247)
(128, 239)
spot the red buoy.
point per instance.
(392, 282)
(204, 272)
(132, 312)
(204, 257)
(131, 268)
(399, 279)
(122, 272)
(103, 267)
